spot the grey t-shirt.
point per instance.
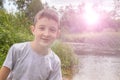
(25, 64)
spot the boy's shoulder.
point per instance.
(55, 57)
(19, 48)
(20, 45)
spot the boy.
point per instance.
(35, 60)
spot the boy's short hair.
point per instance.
(48, 13)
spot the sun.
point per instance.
(90, 16)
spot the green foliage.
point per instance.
(67, 56)
(21, 4)
(13, 29)
(29, 6)
(2, 58)
(33, 8)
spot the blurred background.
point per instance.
(89, 45)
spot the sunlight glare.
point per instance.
(90, 16)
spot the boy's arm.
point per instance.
(8, 63)
(4, 72)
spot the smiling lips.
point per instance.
(45, 39)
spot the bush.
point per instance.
(67, 56)
(13, 29)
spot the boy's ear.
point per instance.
(32, 28)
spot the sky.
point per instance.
(9, 6)
(103, 4)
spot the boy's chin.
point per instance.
(44, 45)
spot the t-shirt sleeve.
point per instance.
(10, 58)
(56, 73)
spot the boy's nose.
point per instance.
(46, 32)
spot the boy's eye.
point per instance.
(41, 28)
(53, 29)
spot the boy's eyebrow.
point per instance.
(41, 25)
(50, 26)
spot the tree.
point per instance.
(117, 8)
(1, 3)
(23, 5)
(67, 18)
(33, 8)
(29, 7)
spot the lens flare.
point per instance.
(91, 17)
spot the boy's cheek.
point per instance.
(55, 37)
(58, 34)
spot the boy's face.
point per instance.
(45, 31)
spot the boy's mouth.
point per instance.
(45, 39)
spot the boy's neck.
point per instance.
(39, 49)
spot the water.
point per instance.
(93, 67)
(99, 58)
